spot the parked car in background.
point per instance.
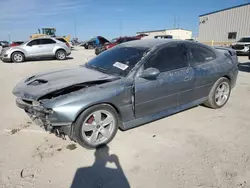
(191, 40)
(242, 46)
(157, 37)
(140, 36)
(113, 43)
(75, 41)
(4, 44)
(36, 48)
(94, 42)
(15, 43)
(129, 85)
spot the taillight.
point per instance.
(67, 44)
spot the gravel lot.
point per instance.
(199, 147)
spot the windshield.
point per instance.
(24, 43)
(244, 39)
(117, 61)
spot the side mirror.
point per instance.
(150, 73)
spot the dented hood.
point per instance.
(36, 86)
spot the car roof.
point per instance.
(147, 43)
(43, 38)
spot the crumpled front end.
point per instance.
(51, 99)
(41, 116)
(35, 111)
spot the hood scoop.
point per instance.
(37, 82)
(28, 79)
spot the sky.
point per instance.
(108, 18)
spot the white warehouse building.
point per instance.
(225, 26)
(175, 33)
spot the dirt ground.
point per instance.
(199, 147)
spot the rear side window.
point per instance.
(47, 41)
(61, 39)
(169, 58)
(200, 54)
(33, 43)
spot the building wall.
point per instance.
(176, 33)
(179, 34)
(154, 33)
(216, 26)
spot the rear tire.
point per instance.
(97, 52)
(102, 128)
(17, 57)
(219, 93)
(61, 55)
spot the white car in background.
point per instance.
(36, 48)
(242, 46)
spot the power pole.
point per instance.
(174, 22)
(121, 28)
(75, 28)
(9, 37)
(178, 26)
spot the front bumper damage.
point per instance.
(40, 116)
(4, 56)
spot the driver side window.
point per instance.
(169, 58)
(33, 43)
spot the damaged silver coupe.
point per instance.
(127, 86)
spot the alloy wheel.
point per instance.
(222, 93)
(61, 55)
(98, 127)
(18, 57)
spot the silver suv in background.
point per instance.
(36, 48)
(242, 46)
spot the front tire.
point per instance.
(17, 57)
(219, 94)
(61, 55)
(96, 126)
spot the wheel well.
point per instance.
(226, 76)
(116, 109)
(17, 51)
(60, 49)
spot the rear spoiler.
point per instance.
(230, 51)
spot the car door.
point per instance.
(162, 93)
(203, 62)
(32, 48)
(46, 47)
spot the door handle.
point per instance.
(187, 78)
